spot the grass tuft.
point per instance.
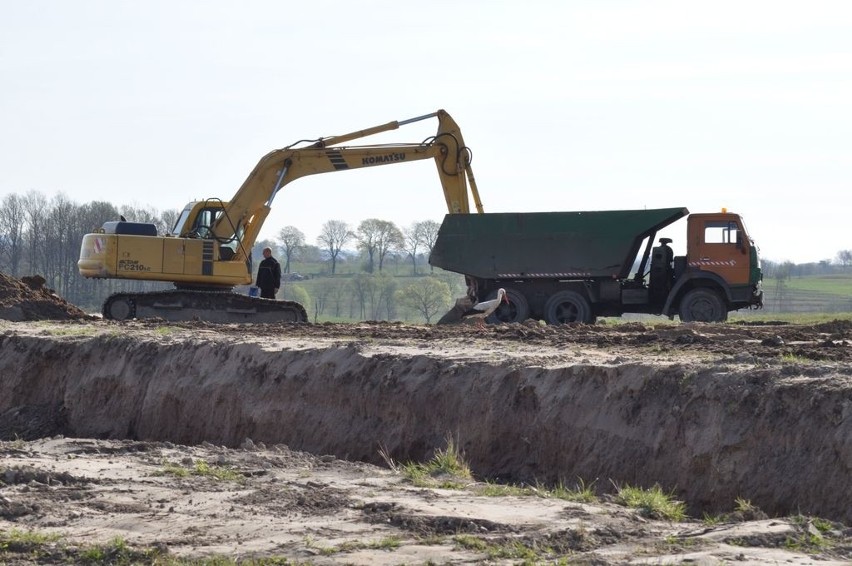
(503, 550)
(581, 492)
(447, 469)
(652, 502)
(202, 469)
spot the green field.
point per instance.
(827, 284)
(352, 295)
(828, 294)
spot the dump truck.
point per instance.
(564, 267)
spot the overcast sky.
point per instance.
(567, 105)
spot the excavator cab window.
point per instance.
(177, 229)
(204, 221)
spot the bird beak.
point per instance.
(506, 299)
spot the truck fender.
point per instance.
(710, 280)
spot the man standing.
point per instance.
(268, 275)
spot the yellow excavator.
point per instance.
(208, 252)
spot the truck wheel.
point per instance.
(518, 310)
(568, 306)
(703, 305)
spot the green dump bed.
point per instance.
(562, 245)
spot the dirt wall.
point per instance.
(711, 432)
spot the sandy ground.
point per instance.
(275, 503)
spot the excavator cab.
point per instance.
(197, 219)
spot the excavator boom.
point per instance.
(326, 155)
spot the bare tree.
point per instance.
(323, 294)
(363, 291)
(292, 240)
(63, 247)
(35, 210)
(844, 257)
(377, 238)
(12, 219)
(137, 213)
(337, 296)
(384, 301)
(333, 236)
(167, 221)
(411, 241)
(427, 230)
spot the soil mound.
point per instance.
(28, 299)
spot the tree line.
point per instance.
(41, 235)
(377, 240)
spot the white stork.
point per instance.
(485, 308)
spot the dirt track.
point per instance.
(712, 413)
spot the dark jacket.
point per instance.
(269, 274)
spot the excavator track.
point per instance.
(208, 306)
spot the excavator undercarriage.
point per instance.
(209, 306)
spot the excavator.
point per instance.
(208, 251)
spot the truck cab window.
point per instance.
(721, 233)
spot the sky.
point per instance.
(565, 104)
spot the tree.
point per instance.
(310, 254)
(167, 221)
(292, 240)
(35, 211)
(428, 233)
(333, 236)
(384, 305)
(63, 244)
(427, 296)
(844, 257)
(136, 213)
(323, 291)
(12, 219)
(377, 238)
(411, 240)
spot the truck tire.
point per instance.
(703, 305)
(568, 306)
(518, 309)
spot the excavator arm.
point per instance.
(243, 216)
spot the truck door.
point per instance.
(718, 243)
